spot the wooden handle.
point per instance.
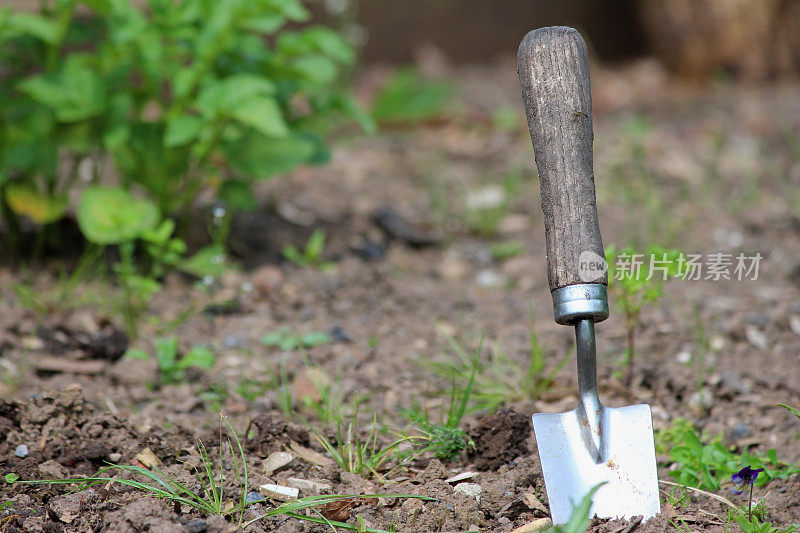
(553, 69)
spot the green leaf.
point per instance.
(35, 26)
(273, 338)
(317, 69)
(182, 130)
(198, 357)
(238, 195)
(74, 93)
(290, 342)
(792, 410)
(266, 24)
(167, 353)
(315, 338)
(406, 97)
(11, 477)
(208, 261)
(579, 519)
(260, 156)
(291, 9)
(331, 44)
(263, 114)
(161, 234)
(42, 209)
(110, 215)
(136, 353)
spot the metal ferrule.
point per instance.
(581, 301)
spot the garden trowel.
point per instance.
(592, 444)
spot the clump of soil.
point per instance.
(500, 438)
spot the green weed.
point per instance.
(505, 250)
(793, 410)
(634, 287)
(172, 367)
(408, 98)
(311, 255)
(500, 379)
(367, 456)
(446, 439)
(580, 519)
(286, 340)
(755, 520)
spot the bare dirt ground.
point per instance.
(707, 170)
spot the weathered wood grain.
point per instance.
(553, 69)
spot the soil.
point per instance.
(708, 170)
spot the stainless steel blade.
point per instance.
(628, 464)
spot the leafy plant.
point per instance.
(363, 456)
(756, 522)
(706, 466)
(171, 365)
(285, 339)
(635, 289)
(311, 255)
(112, 216)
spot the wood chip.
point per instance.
(540, 524)
(309, 455)
(148, 458)
(461, 477)
(534, 502)
(68, 366)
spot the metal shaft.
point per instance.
(590, 410)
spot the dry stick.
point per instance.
(709, 494)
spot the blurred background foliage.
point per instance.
(124, 117)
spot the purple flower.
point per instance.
(744, 477)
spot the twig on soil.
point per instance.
(630, 527)
(700, 491)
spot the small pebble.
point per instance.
(490, 278)
(276, 461)
(233, 342)
(757, 319)
(684, 357)
(740, 431)
(470, 489)
(115, 457)
(370, 250)
(307, 485)
(21, 450)
(253, 497)
(198, 525)
(756, 337)
(337, 334)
